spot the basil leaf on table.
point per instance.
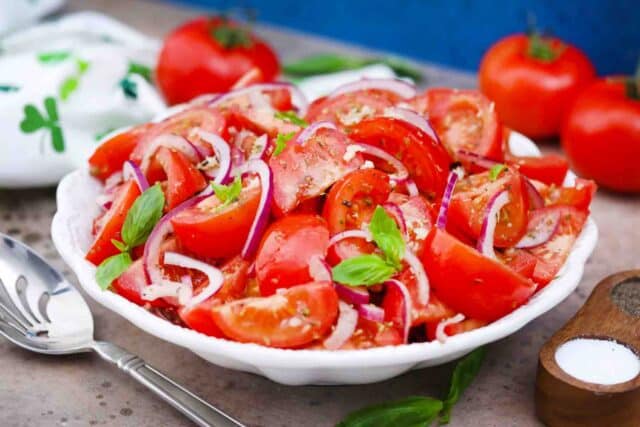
(363, 270)
(409, 412)
(111, 268)
(386, 234)
(145, 212)
(463, 375)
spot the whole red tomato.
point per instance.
(533, 81)
(209, 55)
(601, 135)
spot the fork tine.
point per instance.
(7, 303)
(14, 335)
(7, 317)
(21, 290)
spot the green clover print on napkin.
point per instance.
(34, 121)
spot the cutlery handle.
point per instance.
(196, 409)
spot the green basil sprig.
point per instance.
(229, 193)
(496, 170)
(145, 212)
(291, 117)
(420, 411)
(281, 142)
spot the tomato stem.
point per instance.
(230, 35)
(540, 48)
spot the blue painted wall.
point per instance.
(457, 32)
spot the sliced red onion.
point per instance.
(213, 274)
(354, 295)
(401, 171)
(536, 199)
(151, 256)
(413, 118)
(259, 147)
(348, 234)
(408, 305)
(421, 276)
(485, 241)
(345, 327)
(105, 200)
(441, 334)
(179, 291)
(319, 270)
(412, 188)
(395, 212)
(264, 207)
(254, 74)
(399, 87)
(454, 175)
(540, 230)
(297, 97)
(131, 170)
(371, 312)
(112, 181)
(476, 159)
(223, 154)
(309, 131)
(170, 141)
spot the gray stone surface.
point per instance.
(38, 391)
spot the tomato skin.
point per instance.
(550, 169)
(579, 196)
(293, 318)
(212, 233)
(454, 329)
(532, 96)
(102, 247)
(470, 283)
(419, 217)
(112, 153)
(235, 280)
(434, 311)
(183, 179)
(463, 119)
(601, 136)
(286, 249)
(191, 54)
(426, 158)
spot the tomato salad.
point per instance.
(374, 216)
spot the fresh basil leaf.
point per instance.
(409, 412)
(229, 193)
(496, 170)
(143, 216)
(363, 270)
(53, 57)
(281, 142)
(386, 234)
(111, 268)
(121, 246)
(463, 375)
(291, 117)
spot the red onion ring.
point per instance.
(131, 170)
(170, 141)
(441, 334)
(540, 230)
(413, 119)
(223, 153)
(395, 212)
(105, 200)
(112, 181)
(245, 80)
(264, 207)
(309, 131)
(454, 175)
(536, 199)
(401, 171)
(297, 97)
(354, 295)
(408, 306)
(485, 241)
(371, 312)
(421, 276)
(476, 159)
(412, 188)
(319, 270)
(176, 292)
(213, 274)
(361, 234)
(399, 87)
(345, 327)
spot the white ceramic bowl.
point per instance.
(71, 231)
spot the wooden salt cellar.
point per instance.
(564, 401)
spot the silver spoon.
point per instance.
(40, 311)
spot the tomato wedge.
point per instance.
(110, 224)
(350, 108)
(579, 196)
(370, 334)
(305, 171)
(112, 153)
(292, 318)
(211, 231)
(470, 283)
(183, 179)
(419, 217)
(426, 158)
(454, 329)
(550, 169)
(470, 200)
(257, 112)
(199, 316)
(286, 249)
(463, 119)
(350, 203)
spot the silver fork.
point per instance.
(41, 311)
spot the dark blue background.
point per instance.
(457, 32)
